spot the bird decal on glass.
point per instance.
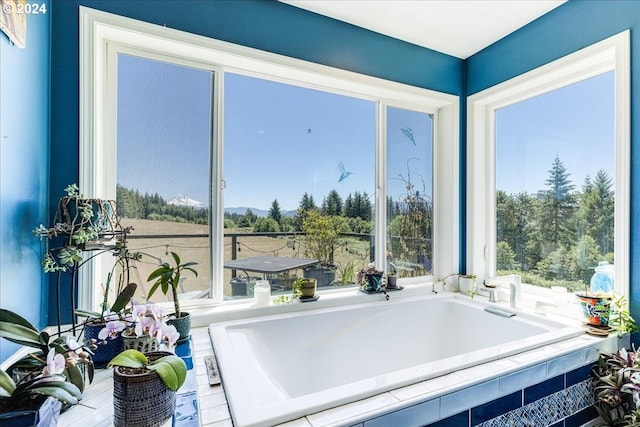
(409, 134)
(344, 174)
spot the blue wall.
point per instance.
(564, 30)
(24, 172)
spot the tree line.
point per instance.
(558, 234)
(354, 214)
(133, 204)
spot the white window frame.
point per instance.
(606, 55)
(102, 35)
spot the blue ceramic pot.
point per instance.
(107, 349)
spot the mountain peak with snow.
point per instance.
(182, 200)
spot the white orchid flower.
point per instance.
(55, 363)
(111, 329)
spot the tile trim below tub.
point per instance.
(453, 396)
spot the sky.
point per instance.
(281, 141)
(575, 123)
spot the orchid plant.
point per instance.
(51, 381)
(150, 319)
(56, 369)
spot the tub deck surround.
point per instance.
(197, 403)
(284, 367)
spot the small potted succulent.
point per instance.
(167, 278)
(144, 387)
(370, 279)
(304, 288)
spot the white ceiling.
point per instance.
(456, 27)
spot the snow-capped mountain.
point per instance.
(182, 200)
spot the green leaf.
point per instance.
(153, 289)
(172, 370)
(87, 313)
(124, 297)
(6, 383)
(20, 334)
(176, 258)
(11, 317)
(75, 377)
(158, 272)
(60, 392)
(129, 358)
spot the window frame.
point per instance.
(103, 35)
(607, 55)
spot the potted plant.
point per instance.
(467, 283)
(167, 278)
(149, 329)
(33, 389)
(304, 288)
(596, 308)
(103, 331)
(37, 401)
(321, 236)
(597, 298)
(80, 224)
(77, 358)
(144, 387)
(370, 279)
(616, 381)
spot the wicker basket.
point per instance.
(141, 400)
(144, 343)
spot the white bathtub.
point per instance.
(282, 367)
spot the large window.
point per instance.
(164, 121)
(549, 173)
(555, 184)
(249, 152)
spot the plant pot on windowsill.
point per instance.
(305, 288)
(44, 414)
(183, 326)
(106, 349)
(167, 277)
(596, 308)
(144, 387)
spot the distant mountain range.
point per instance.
(182, 200)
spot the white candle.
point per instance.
(262, 293)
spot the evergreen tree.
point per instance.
(274, 212)
(597, 210)
(558, 207)
(332, 204)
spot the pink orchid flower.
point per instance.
(168, 334)
(145, 326)
(55, 363)
(112, 329)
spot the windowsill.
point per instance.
(562, 307)
(202, 313)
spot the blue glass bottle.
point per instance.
(603, 279)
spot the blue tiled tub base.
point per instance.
(550, 410)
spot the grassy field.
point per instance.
(156, 250)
